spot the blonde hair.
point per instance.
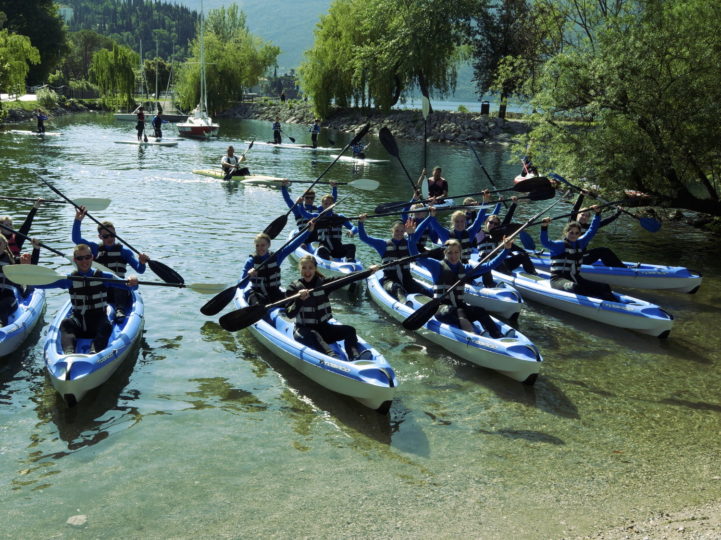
(459, 213)
(262, 236)
(470, 200)
(81, 247)
(326, 198)
(6, 249)
(451, 242)
(309, 258)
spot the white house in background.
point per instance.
(66, 12)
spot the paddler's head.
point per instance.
(83, 257)
(106, 232)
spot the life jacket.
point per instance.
(112, 257)
(467, 244)
(13, 244)
(7, 287)
(437, 188)
(88, 296)
(300, 220)
(447, 278)
(485, 244)
(567, 263)
(267, 277)
(400, 273)
(330, 236)
(316, 308)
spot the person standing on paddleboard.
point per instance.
(276, 131)
(140, 126)
(314, 132)
(114, 256)
(41, 117)
(157, 123)
(231, 162)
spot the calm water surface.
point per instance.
(206, 434)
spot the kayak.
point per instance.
(503, 300)
(635, 276)
(258, 179)
(358, 161)
(630, 313)
(513, 355)
(37, 134)
(329, 268)
(522, 177)
(149, 143)
(22, 321)
(369, 380)
(296, 146)
(74, 375)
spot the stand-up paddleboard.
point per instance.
(358, 161)
(37, 134)
(296, 146)
(259, 179)
(149, 143)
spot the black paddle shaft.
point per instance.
(389, 143)
(26, 237)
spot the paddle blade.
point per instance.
(30, 274)
(206, 288)
(426, 107)
(650, 224)
(388, 141)
(216, 304)
(533, 183)
(421, 317)
(358, 136)
(292, 139)
(93, 204)
(164, 272)
(276, 226)
(365, 184)
(242, 318)
(542, 195)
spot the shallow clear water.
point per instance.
(205, 433)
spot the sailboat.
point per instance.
(199, 124)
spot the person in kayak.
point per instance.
(567, 256)
(454, 310)
(88, 318)
(437, 186)
(312, 311)
(157, 124)
(265, 279)
(397, 280)
(41, 117)
(330, 232)
(8, 289)
(15, 242)
(231, 162)
(412, 217)
(307, 203)
(604, 254)
(140, 125)
(314, 132)
(276, 131)
(359, 150)
(113, 255)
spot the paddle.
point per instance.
(234, 168)
(478, 159)
(526, 186)
(425, 312)
(30, 274)
(292, 139)
(389, 143)
(362, 183)
(426, 110)
(89, 203)
(163, 271)
(279, 223)
(241, 318)
(650, 224)
(68, 257)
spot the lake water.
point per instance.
(206, 434)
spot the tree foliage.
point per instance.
(642, 86)
(16, 56)
(82, 45)
(114, 74)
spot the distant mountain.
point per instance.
(288, 24)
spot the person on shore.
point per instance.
(604, 254)
(15, 242)
(230, 163)
(397, 280)
(454, 310)
(276, 131)
(312, 311)
(89, 297)
(113, 255)
(157, 124)
(567, 257)
(41, 117)
(265, 276)
(314, 132)
(140, 125)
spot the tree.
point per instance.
(39, 20)
(114, 73)
(633, 102)
(82, 46)
(16, 56)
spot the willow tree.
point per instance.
(235, 60)
(114, 74)
(633, 102)
(16, 56)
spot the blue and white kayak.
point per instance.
(357, 161)
(628, 312)
(328, 267)
(503, 300)
(369, 380)
(513, 355)
(74, 375)
(22, 321)
(296, 146)
(635, 275)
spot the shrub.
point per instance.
(463, 109)
(47, 98)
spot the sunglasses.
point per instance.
(104, 236)
(83, 257)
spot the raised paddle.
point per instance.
(425, 312)
(389, 143)
(163, 271)
(526, 186)
(70, 258)
(426, 108)
(478, 159)
(241, 318)
(30, 274)
(93, 204)
(234, 168)
(279, 223)
(650, 224)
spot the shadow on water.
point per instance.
(527, 435)
(18, 363)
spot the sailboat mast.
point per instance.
(203, 95)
